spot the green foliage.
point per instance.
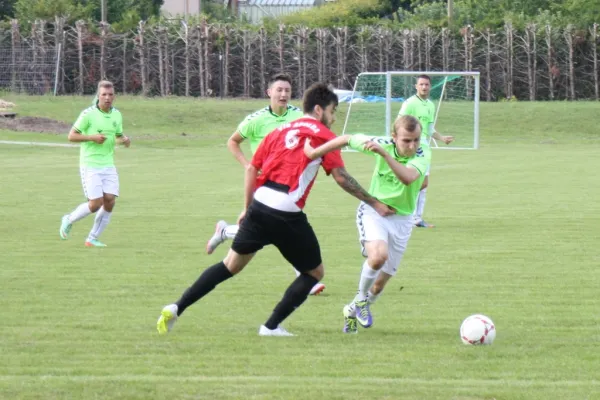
(339, 13)
(7, 8)
(119, 12)
(30, 10)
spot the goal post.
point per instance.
(377, 97)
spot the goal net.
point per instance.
(377, 97)
(24, 70)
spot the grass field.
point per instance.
(516, 238)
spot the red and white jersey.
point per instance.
(281, 160)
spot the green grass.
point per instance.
(516, 239)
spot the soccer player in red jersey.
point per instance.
(273, 210)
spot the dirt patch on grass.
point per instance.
(35, 124)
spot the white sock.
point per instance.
(373, 297)
(367, 278)
(421, 203)
(100, 222)
(230, 231)
(82, 211)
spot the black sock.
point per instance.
(293, 297)
(207, 281)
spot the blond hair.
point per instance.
(104, 85)
(406, 122)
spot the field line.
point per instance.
(49, 144)
(301, 380)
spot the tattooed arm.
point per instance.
(350, 185)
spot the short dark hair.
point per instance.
(318, 94)
(423, 76)
(280, 77)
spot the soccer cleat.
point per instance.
(65, 227)
(422, 224)
(168, 317)
(217, 238)
(317, 289)
(94, 243)
(363, 313)
(279, 331)
(350, 323)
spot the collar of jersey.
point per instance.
(105, 113)
(287, 108)
(422, 101)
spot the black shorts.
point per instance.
(290, 232)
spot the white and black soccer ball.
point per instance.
(477, 329)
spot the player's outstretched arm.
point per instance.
(446, 139)
(334, 144)
(233, 144)
(350, 185)
(249, 186)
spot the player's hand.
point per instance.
(447, 139)
(383, 209)
(126, 141)
(98, 138)
(241, 217)
(375, 148)
(309, 151)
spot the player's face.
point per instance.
(423, 87)
(280, 93)
(106, 96)
(328, 115)
(407, 143)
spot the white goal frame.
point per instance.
(388, 100)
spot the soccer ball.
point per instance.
(477, 329)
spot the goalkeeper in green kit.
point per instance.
(401, 163)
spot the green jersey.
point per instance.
(385, 185)
(264, 121)
(424, 111)
(93, 121)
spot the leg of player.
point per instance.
(377, 256)
(91, 181)
(208, 280)
(399, 230)
(373, 237)
(293, 298)
(421, 205)
(110, 191)
(101, 221)
(223, 231)
(317, 289)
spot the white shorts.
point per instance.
(97, 181)
(395, 230)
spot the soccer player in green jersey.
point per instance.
(254, 128)
(98, 129)
(400, 167)
(421, 107)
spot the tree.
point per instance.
(7, 8)
(30, 10)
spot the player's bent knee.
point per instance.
(109, 201)
(376, 259)
(236, 262)
(95, 204)
(317, 273)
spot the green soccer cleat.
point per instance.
(168, 317)
(94, 243)
(65, 227)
